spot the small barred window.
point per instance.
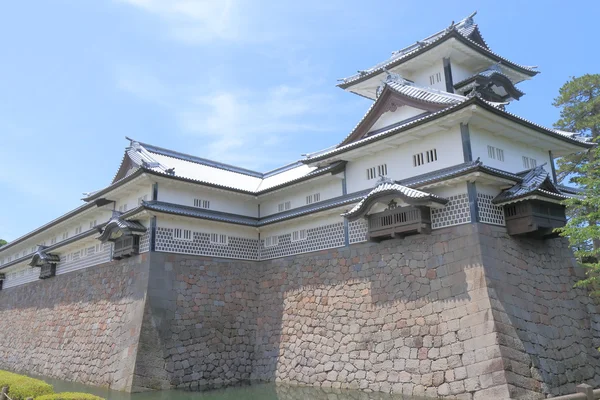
(201, 203)
(218, 238)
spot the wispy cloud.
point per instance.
(238, 125)
(197, 21)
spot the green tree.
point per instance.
(2, 242)
(579, 100)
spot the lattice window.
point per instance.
(457, 211)
(241, 248)
(374, 172)
(286, 205)
(529, 162)
(495, 153)
(271, 241)
(313, 198)
(219, 239)
(299, 235)
(489, 213)
(319, 238)
(201, 203)
(182, 234)
(425, 157)
(357, 231)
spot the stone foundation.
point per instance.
(466, 312)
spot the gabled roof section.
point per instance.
(119, 226)
(397, 92)
(490, 77)
(41, 257)
(387, 189)
(486, 105)
(536, 182)
(465, 31)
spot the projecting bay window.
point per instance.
(425, 157)
(126, 246)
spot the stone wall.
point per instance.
(82, 326)
(466, 312)
(548, 331)
(408, 316)
(201, 322)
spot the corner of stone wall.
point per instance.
(547, 330)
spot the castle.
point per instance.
(415, 256)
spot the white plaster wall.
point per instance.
(421, 77)
(401, 114)
(131, 199)
(447, 191)
(219, 201)
(400, 161)
(513, 151)
(328, 188)
(460, 72)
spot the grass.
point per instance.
(21, 387)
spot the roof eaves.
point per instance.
(332, 169)
(50, 224)
(58, 245)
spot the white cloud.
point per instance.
(197, 21)
(235, 126)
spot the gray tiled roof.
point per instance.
(42, 255)
(389, 187)
(454, 171)
(464, 29)
(535, 181)
(425, 94)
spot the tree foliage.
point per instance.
(579, 100)
(2, 242)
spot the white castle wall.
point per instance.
(400, 160)
(229, 202)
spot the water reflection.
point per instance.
(254, 392)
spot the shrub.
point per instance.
(20, 387)
(69, 396)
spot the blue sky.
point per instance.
(248, 82)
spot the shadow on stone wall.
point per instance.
(548, 331)
(372, 316)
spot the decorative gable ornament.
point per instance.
(45, 261)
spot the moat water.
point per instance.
(253, 392)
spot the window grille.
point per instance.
(271, 241)
(201, 203)
(299, 235)
(495, 153)
(374, 172)
(218, 238)
(313, 198)
(529, 162)
(428, 156)
(284, 206)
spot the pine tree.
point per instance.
(579, 100)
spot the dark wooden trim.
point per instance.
(155, 191)
(346, 233)
(153, 234)
(448, 75)
(552, 166)
(472, 192)
(465, 135)
(344, 186)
